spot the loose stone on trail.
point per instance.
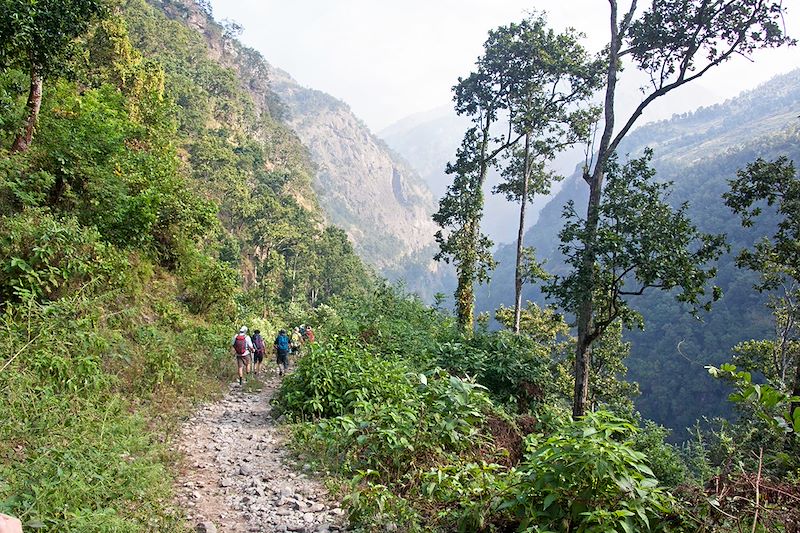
(238, 477)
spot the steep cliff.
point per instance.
(361, 185)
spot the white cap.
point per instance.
(243, 329)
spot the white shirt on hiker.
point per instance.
(249, 349)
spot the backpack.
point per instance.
(282, 342)
(240, 344)
(258, 342)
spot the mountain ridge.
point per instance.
(362, 186)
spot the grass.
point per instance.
(89, 415)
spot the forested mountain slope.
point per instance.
(698, 151)
(362, 186)
(158, 206)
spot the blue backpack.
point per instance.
(282, 342)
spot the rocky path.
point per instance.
(237, 475)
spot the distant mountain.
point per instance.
(362, 186)
(699, 152)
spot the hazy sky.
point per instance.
(390, 59)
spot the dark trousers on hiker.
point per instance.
(283, 361)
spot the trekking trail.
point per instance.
(236, 474)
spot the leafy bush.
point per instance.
(515, 369)
(211, 286)
(19, 188)
(376, 507)
(162, 362)
(392, 437)
(44, 258)
(664, 459)
(584, 477)
(390, 323)
(470, 494)
(394, 426)
(335, 376)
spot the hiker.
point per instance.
(258, 351)
(242, 348)
(297, 341)
(309, 334)
(282, 351)
(303, 332)
(9, 524)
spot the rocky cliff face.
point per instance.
(361, 185)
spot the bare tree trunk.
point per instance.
(586, 274)
(796, 389)
(521, 235)
(24, 139)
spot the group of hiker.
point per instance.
(249, 351)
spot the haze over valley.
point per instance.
(427, 266)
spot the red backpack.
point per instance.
(240, 344)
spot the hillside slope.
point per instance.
(698, 151)
(362, 186)
(158, 207)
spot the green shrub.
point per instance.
(390, 323)
(515, 369)
(376, 507)
(393, 437)
(44, 258)
(469, 494)
(333, 377)
(664, 459)
(162, 361)
(584, 477)
(21, 188)
(210, 285)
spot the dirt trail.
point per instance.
(237, 476)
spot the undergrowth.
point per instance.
(91, 392)
(419, 448)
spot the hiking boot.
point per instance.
(240, 382)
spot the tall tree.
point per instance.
(481, 97)
(675, 42)
(551, 77)
(460, 211)
(777, 259)
(37, 36)
(528, 78)
(641, 243)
